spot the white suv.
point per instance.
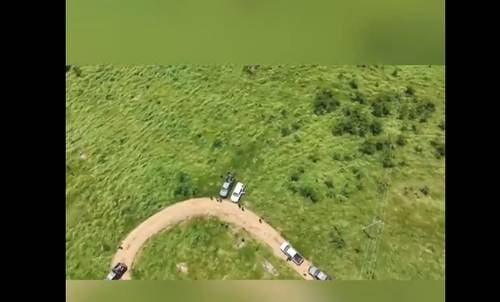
(239, 190)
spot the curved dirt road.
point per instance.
(225, 210)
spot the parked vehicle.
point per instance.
(117, 271)
(286, 248)
(318, 274)
(239, 190)
(227, 185)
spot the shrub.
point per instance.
(325, 102)
(441, 125)
(184, 188)
(250, 69)
(359, 98)
(395, 73)
(380, 109)
(368, 147)
(356, 122)
(388, 159)
(285, 131)
(297, 174)
(329, 184)
(372, 145)
(77, 71)
(376, 127)
(401, 140)
(336, 238)
(353, 84)
(295, 126)
(217, 143)
(439, 147)
(424, 109)
(410, 91)
(425, 190)
(314, 158)
(309, 193)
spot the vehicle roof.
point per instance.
(284, 244)
(292, 252)
(322, 276)
(239, 187)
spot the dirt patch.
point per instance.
(268, 267)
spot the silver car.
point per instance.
(318, 274)
(227, 185)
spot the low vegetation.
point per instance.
(324, 150)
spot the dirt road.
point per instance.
(225, 211)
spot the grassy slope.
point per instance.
(211, 251)
(141, 138)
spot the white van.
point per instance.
(239, 190)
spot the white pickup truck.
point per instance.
(292, 254)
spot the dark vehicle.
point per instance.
(227, 185)
(117, 272)
(318, 274)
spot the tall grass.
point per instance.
(140, 138)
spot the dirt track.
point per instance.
(225, 211)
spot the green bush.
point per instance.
(410, 91)
(217, 143)
(185, 188)
(329, 184)
(439, 148)
(297, 174)
(441, 125)
(359, 98)
(353, 84)
(336, 238)
(325, 102)
(250, 69)
(388, 159)
(424, 109)
(372, 145)
(381, 106)
(376, 127)
(77, 71)
(425, 190)
(285, 131)
(355, 121)
(368, 147)
(309, 193)
(401, 140)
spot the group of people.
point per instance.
(219, 199)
